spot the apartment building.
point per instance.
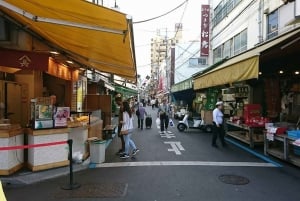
(240, 25)
(161, 46)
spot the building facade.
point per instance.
(161, 59)
(188, 60)
(239, 25)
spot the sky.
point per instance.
(188, 15)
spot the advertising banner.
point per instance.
(204, 31)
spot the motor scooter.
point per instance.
(193, 123)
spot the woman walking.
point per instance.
(127, 129)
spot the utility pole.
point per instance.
(166, 60)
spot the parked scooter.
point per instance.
(193, 123)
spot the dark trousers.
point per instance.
(153, 106)
(164, 122)
(122, 138)
(140, 123)
(218, 132)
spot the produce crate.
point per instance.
(297, 150)
(294, 134)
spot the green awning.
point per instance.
(181, 86)
(125, 91)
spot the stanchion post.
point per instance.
(71, 184)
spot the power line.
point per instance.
(154, 18)
(181, 18)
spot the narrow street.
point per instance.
(179, 166)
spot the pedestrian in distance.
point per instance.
(127, 130)
(141, 112)
(118, 100)
(163, 114)
(153, 103)
(218, 125)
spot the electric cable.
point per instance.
(154, 18)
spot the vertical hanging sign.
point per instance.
(204, 30)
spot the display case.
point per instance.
(84, 118)
(41, 113)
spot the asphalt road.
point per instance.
(160, 172)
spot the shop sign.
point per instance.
(61, 71)
(24, 59)
(204, 30)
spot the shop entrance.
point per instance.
(12, 103)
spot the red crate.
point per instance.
(281, 130)
(252, 111)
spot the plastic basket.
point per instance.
(294, 134)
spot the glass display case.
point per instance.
(84, 118)
(41, 113)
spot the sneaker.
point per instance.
(161, 132)
(120, 152)
(124, 156)
(135, 152)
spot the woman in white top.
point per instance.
(128, 125)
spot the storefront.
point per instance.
(259, 86)
(183, 95)
(43, 94)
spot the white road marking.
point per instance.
(176, 147)
(167, 135)
(184, 163)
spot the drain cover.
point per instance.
(234, 179)
(95, 190)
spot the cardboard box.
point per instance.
(95, 129)
(207, 116)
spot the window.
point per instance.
(272, 24)
(195, 62)
(223, 9)
(227, 51)
(240, 42)
(218, 54)
(202, 61)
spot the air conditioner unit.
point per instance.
(266, 11)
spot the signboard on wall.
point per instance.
(204, 49)
(24, 59)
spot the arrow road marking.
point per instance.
(176, 147)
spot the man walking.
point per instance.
(218, 125)
(141, 116)
(118, 100)
(163, 114)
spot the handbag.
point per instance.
(171, 123)
(124, 132)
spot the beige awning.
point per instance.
(92, 35)
(242, 67)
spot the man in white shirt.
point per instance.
(218, 128)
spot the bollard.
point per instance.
(71, 185)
